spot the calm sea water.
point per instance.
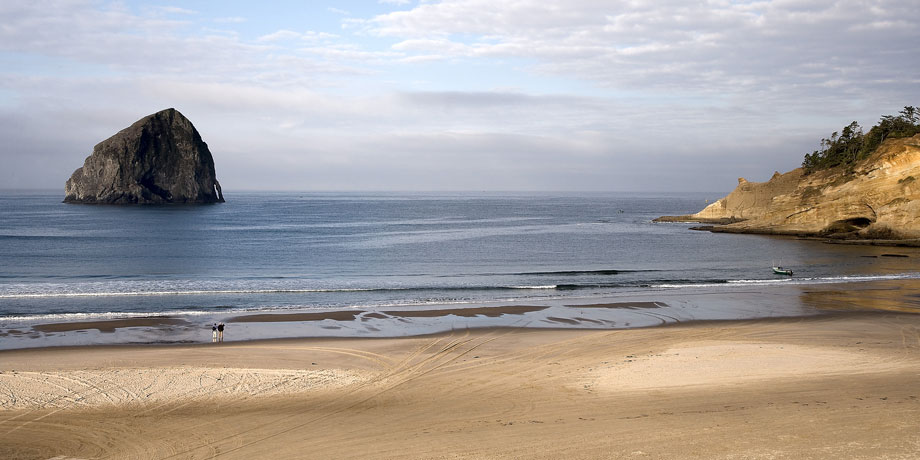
(283, 251)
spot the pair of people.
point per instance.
(217, 332)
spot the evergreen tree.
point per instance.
(851, 145)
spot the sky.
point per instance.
(455, 95)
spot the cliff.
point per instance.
(876, 198)
(159, 159)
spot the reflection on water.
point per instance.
(900, 296)
(623, 310)
(287, 253)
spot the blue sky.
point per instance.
(455, 94)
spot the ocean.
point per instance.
(281, 252)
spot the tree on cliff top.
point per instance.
(851, 145)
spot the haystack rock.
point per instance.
(878, 198)
(159, 159)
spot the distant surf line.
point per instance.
(655, 284)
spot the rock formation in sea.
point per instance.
(877, 198)
(159, 159)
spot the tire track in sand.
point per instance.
(409, 371)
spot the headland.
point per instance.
(859, 187)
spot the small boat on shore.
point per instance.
(782, 271)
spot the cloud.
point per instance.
(520, 95)
(349, 52)
(714, 47)
(279, 35)
(85, 39)
(312, 35)
(283, 34)
(175, 10)
(273, 138)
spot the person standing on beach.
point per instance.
(214, 333)
(220, 332)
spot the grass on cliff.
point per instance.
(852, 145)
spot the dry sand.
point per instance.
(821, 387)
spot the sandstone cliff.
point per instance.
(159, 159)
(877, 198)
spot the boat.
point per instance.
(782, 271)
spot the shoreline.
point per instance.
(806, 387)
(624, 311)
(201, 345)
(722, 225)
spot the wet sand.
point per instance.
(349, 315)
(283, 317)
(491, 312)
(842, 385)
(629, 305)
(624, 311)
(109, 325)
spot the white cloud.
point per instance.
(309, 36)
(434, 45)
(312, 35)
(175, 10)
(349, 52)
(629, 95)
(714, 47)
(279, 35)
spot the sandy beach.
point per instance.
(843, 385)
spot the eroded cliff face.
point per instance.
(159, 159)
(878, 198)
